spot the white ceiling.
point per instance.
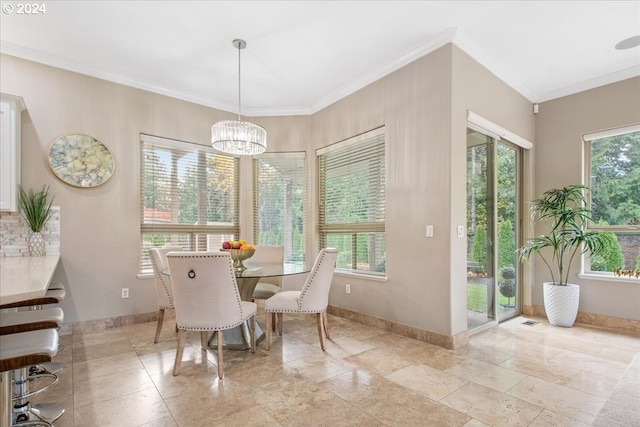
(304, 55)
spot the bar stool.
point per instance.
(12, 322)
(16, 322)
(17, 352)
(56, 292)
(54, 295)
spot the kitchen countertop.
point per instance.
(23, 278)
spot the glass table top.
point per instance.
(257, 270)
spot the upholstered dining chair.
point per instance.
(267, 286)
(313, 298)
(164, 291)
(206, 299)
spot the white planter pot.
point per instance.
(561, 303)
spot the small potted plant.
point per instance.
(36, 210)
(565, 213)
(507, 284)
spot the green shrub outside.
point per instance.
(611, 256)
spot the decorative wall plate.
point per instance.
(81, 160)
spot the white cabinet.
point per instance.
(11, 108)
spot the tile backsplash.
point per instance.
(14, 234)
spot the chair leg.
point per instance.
(273, 321)
(325, 323)
(182, 338)
(252, 325)
(220, 360)
(159, 325)
(279, 323)
(267, 332)
(319, 321)
(203, 345)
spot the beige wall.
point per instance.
(560, 125)
(423, 107)
(100, 227)
(476, 89)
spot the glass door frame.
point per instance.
(519, 163)
(494, 314)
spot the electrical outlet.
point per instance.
(347, 288)
(125, 292)
(461, 231)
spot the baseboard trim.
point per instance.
(617, 324)
(448, 342)
(99, 325)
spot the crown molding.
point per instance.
(591, 84)
(450, 35)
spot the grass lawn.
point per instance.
(477, 297)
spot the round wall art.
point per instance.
(81, 160)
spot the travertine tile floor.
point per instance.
(511, 375)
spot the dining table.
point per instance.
(239, 338)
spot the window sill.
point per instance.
(607, 278)
(371, 277)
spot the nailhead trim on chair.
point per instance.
(233, 275)
(164, 286)
(297, 311)
(312, 275)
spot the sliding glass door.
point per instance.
(492, 229)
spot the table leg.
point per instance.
(238, 338)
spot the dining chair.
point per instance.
(313, 298)
(164, 291)
(206, 299)
(267, 286)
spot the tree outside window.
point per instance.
(614, 179)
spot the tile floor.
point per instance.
(511, 375)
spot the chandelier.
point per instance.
(235, 136)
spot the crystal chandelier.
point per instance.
(238, 137)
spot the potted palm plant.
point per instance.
(565, 213)
(36, 210)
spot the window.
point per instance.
(188, 197)
(279, 203)
(613, 174)
(352, 202)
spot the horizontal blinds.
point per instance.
(352, 187)
(188, 186)
(487, 127)
(279, 202)
(187, 192)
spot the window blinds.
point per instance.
(279, 202)
(188, 193)
(352, 186)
